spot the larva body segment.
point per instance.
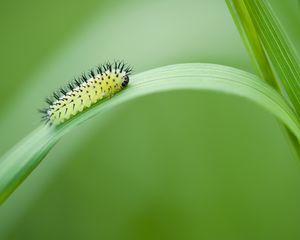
(82, 93)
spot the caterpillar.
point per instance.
(81, 93)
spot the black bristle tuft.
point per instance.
(43, 111)
(122, 67)
(92, 74)
(56, 96)
(99, 70)
(84, 77)
(108, 65)
(45, 117)
(119, 64)
(128, 70)
(77, 82)
(104, 68)
(63, 91)
(49, 101)
(71, 86)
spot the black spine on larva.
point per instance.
(57, 96)
(128, 70)
(104, 68)
(120, 63)
(49, 101)
(63, 91)
(71, 86)
(99, 69)
(77, 82)
(45, 116)
(44, 111)
(84, 78)
(92, 74)
(109, 67)
(116, 66)
(122, 67)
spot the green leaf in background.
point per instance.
(251, 39)
(270, 46)
(24, 157)
(271, 50)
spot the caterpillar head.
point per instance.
(125, 80)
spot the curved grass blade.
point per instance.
(18, 163)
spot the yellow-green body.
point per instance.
(85, 94)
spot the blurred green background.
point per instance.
(177, 165)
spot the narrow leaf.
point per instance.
(251, 40)
(21, 160)
(275, 43)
